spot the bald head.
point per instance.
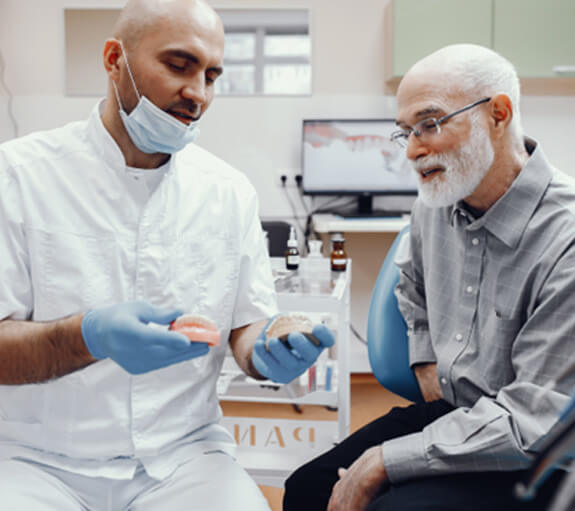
(169, 52)
(138, 17)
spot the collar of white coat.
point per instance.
(105, 145)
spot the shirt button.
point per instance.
(475, 241)
(469, 289)
(443, 381)
(459, 337)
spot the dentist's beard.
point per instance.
(465, 167)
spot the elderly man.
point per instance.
(107, 226)
(487, 289)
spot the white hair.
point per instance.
(478, 72)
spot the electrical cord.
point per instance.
(306, 229)
(294, 210)
(299, 183)
(357, 335)
(321, 209)
(10, 96)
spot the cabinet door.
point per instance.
(421, 27)
(535, 35)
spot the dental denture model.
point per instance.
(197, 328)
(283, 325)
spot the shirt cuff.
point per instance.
(404, 458)
(420, 348)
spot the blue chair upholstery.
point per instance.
(387, 341)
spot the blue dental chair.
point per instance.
(387, 342)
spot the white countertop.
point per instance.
(328, 222)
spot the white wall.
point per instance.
(261, 136)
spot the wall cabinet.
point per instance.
(421, 27)
(537, 37)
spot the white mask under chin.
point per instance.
(465, 167)
(154, 131)
(151, 129)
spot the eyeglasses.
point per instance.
(429, 127)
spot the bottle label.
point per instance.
(338, 262)
(292, 260)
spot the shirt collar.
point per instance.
(104, 143)
(507, 219)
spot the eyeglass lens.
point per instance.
(423, 129)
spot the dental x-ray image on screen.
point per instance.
(354, 156)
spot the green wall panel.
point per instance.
(535, 34)
(422, 26)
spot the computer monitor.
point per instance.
(354, 157)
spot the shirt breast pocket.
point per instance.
(73, 272)
(498, 337)
(208, 273)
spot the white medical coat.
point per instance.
(77, 233)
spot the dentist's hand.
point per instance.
(282, 364)
(121, 332)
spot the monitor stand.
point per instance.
(365, 210)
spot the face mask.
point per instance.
(151, 129)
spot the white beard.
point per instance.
(465, 167)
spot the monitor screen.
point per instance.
(354, 156)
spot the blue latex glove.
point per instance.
(282, 364)
(121, 332)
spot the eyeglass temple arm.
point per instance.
(467, 107)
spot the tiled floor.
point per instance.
(368, 401)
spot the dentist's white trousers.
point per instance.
(212, 482)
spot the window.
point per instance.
(268, 51)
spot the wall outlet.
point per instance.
(287, 178)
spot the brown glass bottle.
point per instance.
(338, 256)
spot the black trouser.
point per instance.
(309, 487)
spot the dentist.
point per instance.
(108, 228)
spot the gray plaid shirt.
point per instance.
(492, 301)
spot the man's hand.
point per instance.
(360, 483)
(282, 364)
(426, 375)
(121, 332)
